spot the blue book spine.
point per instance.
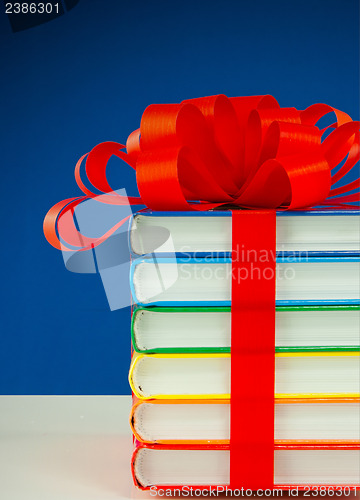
(227, 303)
(279, 213)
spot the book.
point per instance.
(207, 281)
(326, 421)
(180, 373)
(208, 329)
(316, 232)
(209, 466)
(207, 376)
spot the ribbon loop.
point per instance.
(245, 151)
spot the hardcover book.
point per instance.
(207, 376)
(208, 329)
(180, 374)
(205, 466)
(316, 232)
(207, 281)
(297, 421)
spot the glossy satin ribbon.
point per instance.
(252, 349)
(212, 151)
(245, 152)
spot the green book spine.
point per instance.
(215, 350)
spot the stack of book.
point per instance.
(181, 335)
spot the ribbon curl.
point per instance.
(212, 151)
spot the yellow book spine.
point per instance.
(193, 397)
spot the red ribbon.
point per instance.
(252, 349)
(245, 152)
(207, 152)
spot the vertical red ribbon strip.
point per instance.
(253, 349)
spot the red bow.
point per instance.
(211, 151)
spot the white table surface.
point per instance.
(67, 448)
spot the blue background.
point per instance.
(86, 77)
